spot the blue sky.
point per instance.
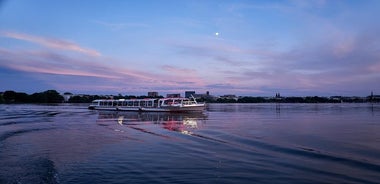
(249, 47)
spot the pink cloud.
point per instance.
(52, 43)
(61, 71)
(375, 67)
(176, 70)
(74, 70)
(53, 63)
(176, 76)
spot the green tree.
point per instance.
(251, 100)
(49, 96)
(9, 96)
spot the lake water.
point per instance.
(229, 143)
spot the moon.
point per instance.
(217, 34)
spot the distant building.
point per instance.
(67, 96)
(336, 99)
(373, 98)
(173, 95)
(204, 96)
(153, 94)
(188, 94)
(278, 96)
(376, 98)
(229, 97)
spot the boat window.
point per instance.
(156, 102)
(188, 102)
(136, 103)
(168, 102)
(150, 103)
(124, 103)
(130, 103)
(142, 103)
(119, 103)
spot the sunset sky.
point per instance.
(256, 48)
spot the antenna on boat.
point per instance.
(195, 100)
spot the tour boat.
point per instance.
(150, 104)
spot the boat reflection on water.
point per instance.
(178, 122)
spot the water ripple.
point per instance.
(7, 135)
(231, 143)
(29, 170)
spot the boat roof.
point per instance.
(144, 99)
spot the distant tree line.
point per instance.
(83, 98)
(308, 99)
(49, 96)
(52, 96)
(313, 99)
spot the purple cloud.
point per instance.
(51, 43)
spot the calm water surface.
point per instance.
(229, 143)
